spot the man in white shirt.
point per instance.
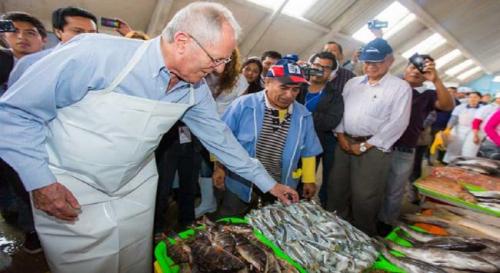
(377, 112)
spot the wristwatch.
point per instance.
(362, 147)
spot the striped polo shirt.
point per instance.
(272, 140)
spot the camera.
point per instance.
(311, 71)
(7, 26)
(376, 24)
(418, 61)
(108, 22)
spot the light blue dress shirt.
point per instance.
(24, 63)
(91, 62)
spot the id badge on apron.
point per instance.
(184, 135)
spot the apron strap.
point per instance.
(130, 65)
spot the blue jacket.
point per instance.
(245, 117)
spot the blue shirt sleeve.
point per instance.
(29, 104)
(24, 63)
(203, 120)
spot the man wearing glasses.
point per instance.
(82, 126)
(377, 112)
(326, 103)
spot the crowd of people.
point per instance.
(97, 130)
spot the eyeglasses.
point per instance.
(215, 62)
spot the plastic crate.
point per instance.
(167, 265)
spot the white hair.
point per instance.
(202, 20)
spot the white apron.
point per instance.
(458, 137)
(101, 149)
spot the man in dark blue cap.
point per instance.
(276, 130)
(377, 111)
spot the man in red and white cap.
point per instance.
(276, 130)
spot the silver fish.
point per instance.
(446, 258)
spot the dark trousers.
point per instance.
(184, 159)
(327, 158)
(420, 152)
(357, 185)
(13, 194)
(233, 206)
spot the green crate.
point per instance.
(167, 265)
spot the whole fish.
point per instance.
(453, 227)
(212, 258)
(446, 258)
(466, 213)
(408, 264)
(251, 253)
(449, 243)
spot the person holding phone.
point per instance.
(424, 100)
(82, 126)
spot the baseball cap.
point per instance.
(287, 72)
(375, 51)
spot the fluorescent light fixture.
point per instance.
(296, 8)
(450, 56)
(272, 4)
(469, 73)
(459, 68)
(496, 79)
(426, 46)
(399, 25)
(397, 17)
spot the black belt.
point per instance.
(404, 149)
(358, 138)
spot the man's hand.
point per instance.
(355, 149)
(430, 72)
(219, 177)
(56, 200)
(309, 189)
(285, 194)
(476, 138)
(124, 27)
(344, 144)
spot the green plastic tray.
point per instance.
(383, 263)
(457, 201)
(167, 265)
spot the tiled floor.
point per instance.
(12, 258)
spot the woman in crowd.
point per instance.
(251, 70)
(490, 148)
(460, 126)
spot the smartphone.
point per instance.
(376, 24)
(7, 26)
(108, 22)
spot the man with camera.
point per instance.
(24, 34)
(377, 111)
(82, 126)
(279, 132)
(420, 68)
(325, 101)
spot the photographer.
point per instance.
(326, 103)
(421, 68)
